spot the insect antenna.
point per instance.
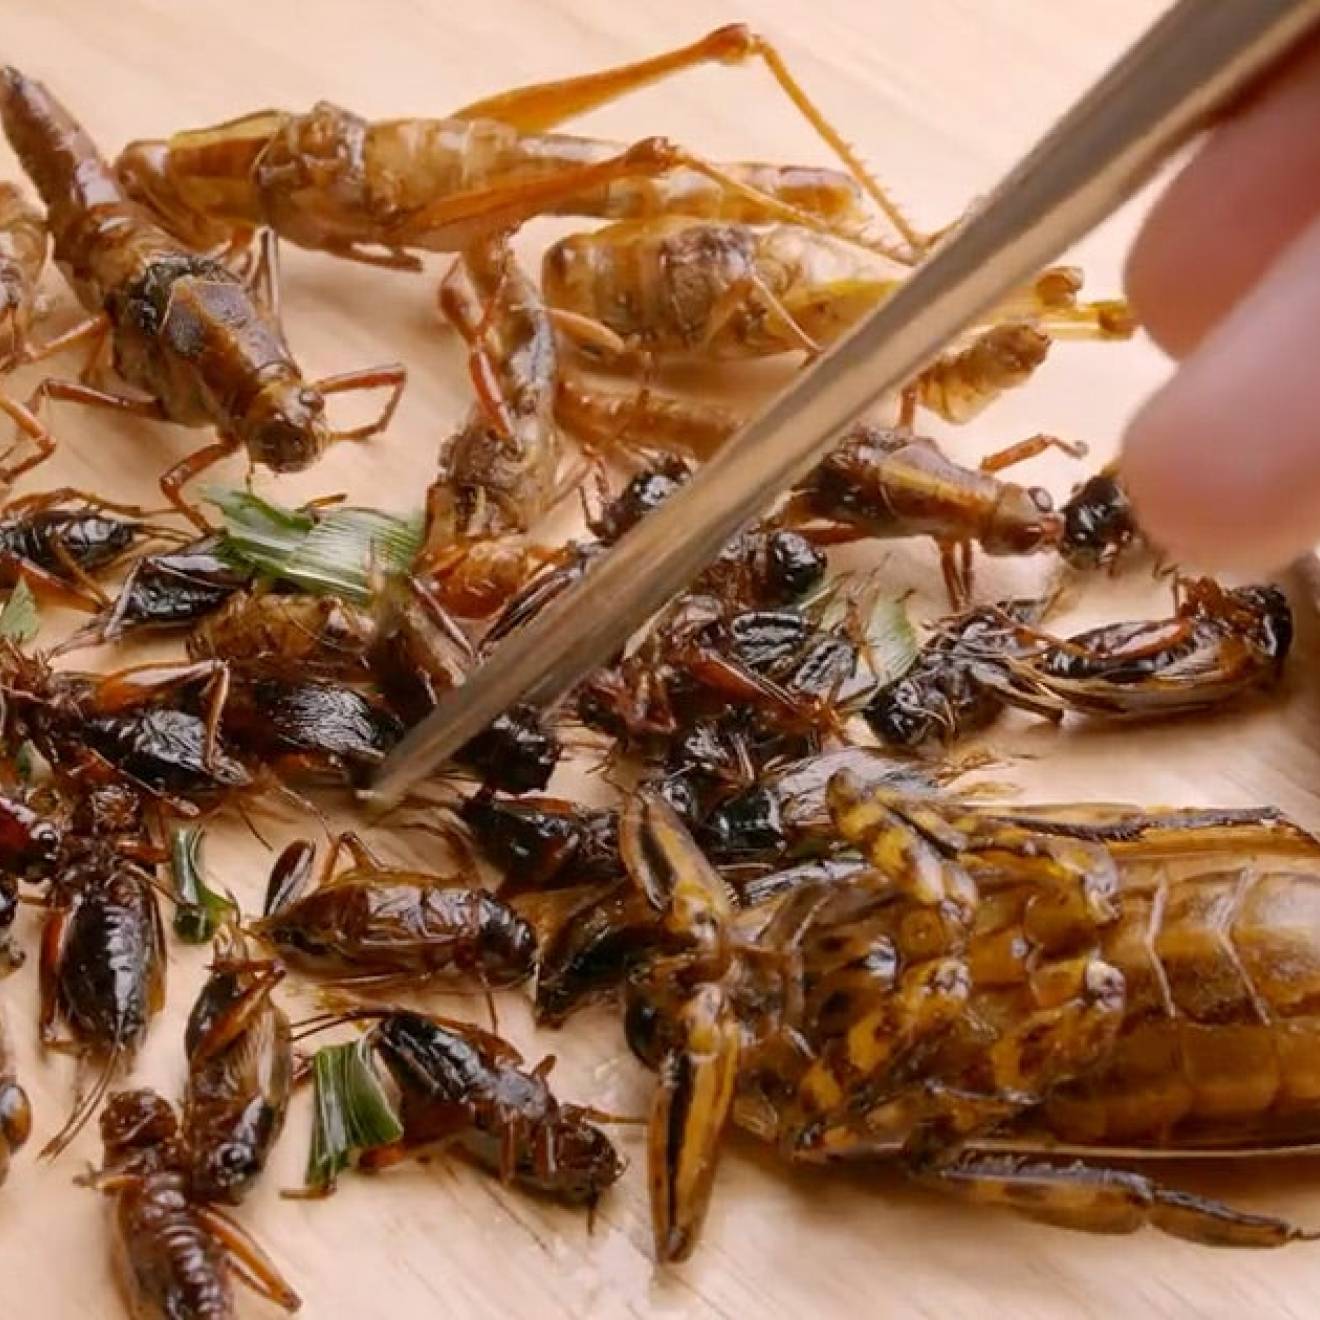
(86, 1107)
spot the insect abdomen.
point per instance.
(1221, 1038)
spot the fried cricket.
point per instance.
(202, 347)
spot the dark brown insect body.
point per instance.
(543, 843)
(1219, 645)
(377, 923)
(185, 329)
(596, 937)
(170, 589)
(464, 1089)
(54, 546)
(322, 731)
(958, 683)
(784, 814)
(102, 963)
(240, 1075)
(30, 845)
(418, 655)
(142, 722)
(176, 1257)
(1098, 522)
(702, 658)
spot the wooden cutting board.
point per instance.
(940, 96)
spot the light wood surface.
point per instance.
(941, 96)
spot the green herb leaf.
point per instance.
(891, 641)
(20, 621)
(201, 910)
(351, 1112)
(26, 761)
(336, 554)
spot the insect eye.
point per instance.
(1041, 499)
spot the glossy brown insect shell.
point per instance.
(465, 1089)
(379, 924)
(102, 965)
(240, 1074)
(175, 1254)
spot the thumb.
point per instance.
(1224, 463)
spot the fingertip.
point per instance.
(1190, 497)
(1155, 278)
(1224, 463)
(1246, 194)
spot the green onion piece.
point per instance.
(336, 554)
(351, 1112)
(891, 644)
(20, 620)
(201, 910)
(26, 761)
(258, 534)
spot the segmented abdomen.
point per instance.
(171, 1265)
(1220, 1043)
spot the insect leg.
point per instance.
(392, 376)
(741, 294)
(247, 1259)
(1106, 318)
(263, 273)
(236, 1018)
(50, 587)
(184, 471)
(1029, 448)
(832, 1093)
(45, 499)
(542, 106)
(390, 258)
(133, 687)
(91, 331)
(53, 932)
(1100, 1200)
(363, 856)
(455, 221)
(587, 333)
(473, 314)
(956, 584)
(29, 425)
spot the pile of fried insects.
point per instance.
(812, 933)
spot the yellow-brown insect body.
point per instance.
(331, 180)
(1220, 1039)
(497, 473)
(290, 635)
(1182, 1018)
(23, 243)
(897, 483)
(960, 384)
(680, 286)
(186, 329)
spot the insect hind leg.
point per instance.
(540, 107)
(1095, 1199)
